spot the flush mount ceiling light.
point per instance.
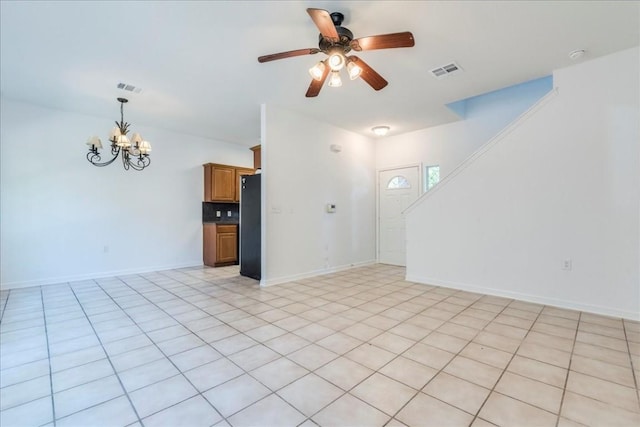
(577, 54)
(380, 130)
(135, 152)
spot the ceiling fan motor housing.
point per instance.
(337, 18)
(345, 38)
(344, 34)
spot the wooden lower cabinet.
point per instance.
(220, 244)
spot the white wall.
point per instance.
(302, 175)
(450, 144)
(58, 212)
(563, 184)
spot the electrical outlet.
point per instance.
(567, 264)
(218, 214)
(228, 213)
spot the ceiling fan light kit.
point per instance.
(336, 61)
(335, 80)
(317, 71)
(336, 42)
(353, 70)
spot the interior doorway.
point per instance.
(397, 189)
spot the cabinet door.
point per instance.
(239, 173)
(222, 183)
(227, 245)
(209, 244)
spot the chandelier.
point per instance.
(135, 152)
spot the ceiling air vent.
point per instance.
(445, 70)
(129, 88)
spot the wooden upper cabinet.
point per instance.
(257, 157)
(222, 182)
(219, 183)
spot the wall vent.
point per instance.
(129, 88)
(445, 70)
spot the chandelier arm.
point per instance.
(144, 160)
(94, 157)
(141, 162)
(125, 159)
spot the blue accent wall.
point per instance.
(512, 100)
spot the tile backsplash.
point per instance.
(210, 209)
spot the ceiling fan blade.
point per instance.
(288, 54)
(383, 41)
(316, 85)
(323, 21)
(368, 74)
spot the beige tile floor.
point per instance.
(203, 347)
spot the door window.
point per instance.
(398, 182)
(432, 176)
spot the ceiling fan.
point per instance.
(337, 41)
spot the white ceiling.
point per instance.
(197, 61)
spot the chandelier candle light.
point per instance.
(135, 152)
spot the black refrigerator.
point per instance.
(250, 229)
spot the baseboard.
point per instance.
(89, 276)
(314, 273)
(538, 299)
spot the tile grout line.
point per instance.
(469, 341)
(180, 372)
(46, 334)
(308, 345)
(492, 390)
(383, 331)
(257, 343)
(377, 371)
(566, 380)
(209, 344)
(464, 308)
(115, 372)
(310, 371)
(4, 306)
(633, 371)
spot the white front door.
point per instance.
(397, 189)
